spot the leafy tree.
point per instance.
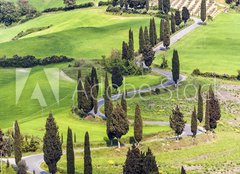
(24, 8)
(107, 98)
(178, 18)
(87, 155)
(22, 167)
(70, 153)
(118, 124)
(194, 123)
(177, 122)
(138, 124)
(185, 14)
(69, 3)
(124, 51)
(161, 29)
(52, 146)
(173, 23)
(148, 54)
(17, 143)
(80, 91)
(88, 101)
(124, 102)
(166, 36)
(146, 37)
(117, 78)
(9, 13)
(200, 105)
(141, 40)
(183, 171)
(166, 6)
(203, 10)
(147, 5)
(149, 163)
(207, 115)
(175, 66)
(130, 46)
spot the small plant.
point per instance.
(164, 63)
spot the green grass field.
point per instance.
(84, 33)
(211, 48)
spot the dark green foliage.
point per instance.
(52, 146)
(166, 6)
(173, 23)
(151, 33)
(69, 3)
(121, 3)
(124, 102)
(109, 124)
(9, 13)
(80, 92)
(166, 34)
(94, 79)
(117, 78)
(203, 10)
(178, 18)
(194, 123)
(161, 29)
(107, 98)
(200, 105)
(126, 4)
(22, 167)
(138, 124)
(17, 143)
(177, 122)
(185, 14)
(75, 138)
(124, 51)
(3, 145)
(70, 153)
(95, 98)
(175, 66)
(207, 115)
(130, 46)
(114, 3)
(141, 40)
(147, 5)
(30, 144)
(68, 8)
(148, 54)
(87, 98)
(183, 171)
(160, 5)
(154, 31)
(87, 155)
(149, 163)
(146, 36)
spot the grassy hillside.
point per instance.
(85, 33)
(212, 48)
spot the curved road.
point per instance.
(34, 161)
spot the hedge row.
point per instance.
(31, 61)
(197, 72)
(103, 3)
(85, 5)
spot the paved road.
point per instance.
(34, 161)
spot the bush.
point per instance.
(229, 1)
(85, 5)
(103, 3)
(110, 8)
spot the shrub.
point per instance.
(110, 8)
(103, 3)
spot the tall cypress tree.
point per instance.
(148, 54)
(178, 19)
(94, 79)
(147, 5)
(124, 50)
(194, 123)
(17, 143)
(126, 4)
(166, 36)
(161, 29)
(141, 40)
(138, 124)
(87, 155)
(70, 153)
(207, 116)
(124, 102)
(154, 31)
(183, 171)
(185, 14)
(52, 146)
(177, 122)
(173, 23)
(146, 37)
(151, 33)
(88, 101)
(160, 5)
(175, 66)
(107, 98)
(149, 163)
(166, 6)
(203, 10)
(200, 105)
(131, 45)
(80, 91)
(95, 100)
(117, 78)
(109, 125)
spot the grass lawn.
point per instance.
(84, 33)
(212, 48)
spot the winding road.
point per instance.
(34, 161)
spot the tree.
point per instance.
(194, 123)
(160, 5)
(200, 105)
(154, 31)
(124, 102)
(148, 54)
(141, 40)
(185, 14)
(183, 171)
(151, 33)
(175, 67)
(121, 2)
(87, 98)
(70, 153)
(130, 46)
(203, 10)
(95, 100)
(138, 124)
(87, 155)
(207, 119)
(166, 6)
(52, 146)
(126, 4)
(109, 125)
(147, 5)
(80, 91)
(177, 122)
(94, 79)
(178, 19)
(166, 35)
(124, 51)
(117, 78)
(161, 29)
(114, 3)
(118, 124)
(107, 98)
(173, 23)
(149, 163)
(22, 167)
(17, 143)
(69, 3)
(146, 37)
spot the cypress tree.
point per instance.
(166, 6)
(149, 163)
(177, 122)
(151, 33)
(141, 40)
(107, 98)
(203, 10)
(117, 78)
(75, 138)
(147, 5)
(126, 4)
(146, 37)
(194, 123)
(207, 119)
(80, 91)
(160, 5)
(70, 153)
(178, 19)
(166, 36)
(52, 146)
(185, 14)
(138, 124)
(124, 102)
(109, 125)
(94, 79)
(88, 101)
(200, 105)
(131, 46)
(183, 171)
(124, 50)
(173, 23)
(95, 100)
(121, 3)
(154, 31)
(17, 143)
(161, 29)
(87, 155)
(148, 54)
(175, 66)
